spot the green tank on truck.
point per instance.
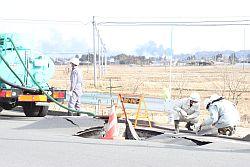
(24, 78)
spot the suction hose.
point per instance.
(7, 64)
(41, 89)
(19, 87)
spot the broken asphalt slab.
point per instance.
(64, 124)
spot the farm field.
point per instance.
(230, 81)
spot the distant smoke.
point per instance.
(151, 49)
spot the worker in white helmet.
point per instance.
(187, 110)
(76, 83)
(223, 119)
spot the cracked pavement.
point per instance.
(49, 142)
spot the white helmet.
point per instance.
(214, 97)
(74, 61)
(208, 101)
(195, 96)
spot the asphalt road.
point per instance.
(49, 142)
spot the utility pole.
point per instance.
(94, 51)
(170, 64)
(244, 44)
(105, 56)
(102, 61)
(99, 56)
(88, 62)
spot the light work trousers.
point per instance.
(74, 102)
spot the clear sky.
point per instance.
(127, 39)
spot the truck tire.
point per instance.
(31, 110)
(43, 111)
(1, 109)
(8, 106)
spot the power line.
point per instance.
(178, 23)
(44, 21)
(147, 23)
(175, 18)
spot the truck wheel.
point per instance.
(8, 106)
(1, 109)
(43, 111)
(31, 110)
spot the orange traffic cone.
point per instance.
(112, 129)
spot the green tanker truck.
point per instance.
(24, 77)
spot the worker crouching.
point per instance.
(76, 82)
(187, 110)
(223, 119)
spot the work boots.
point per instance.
(228, 131)
(176, 126)
(188, 126)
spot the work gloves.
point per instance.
(183, 113)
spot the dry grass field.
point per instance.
(230, 81)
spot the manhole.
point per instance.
(98, 132)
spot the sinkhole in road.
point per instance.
(146, 135)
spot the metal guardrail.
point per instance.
(153, 104)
